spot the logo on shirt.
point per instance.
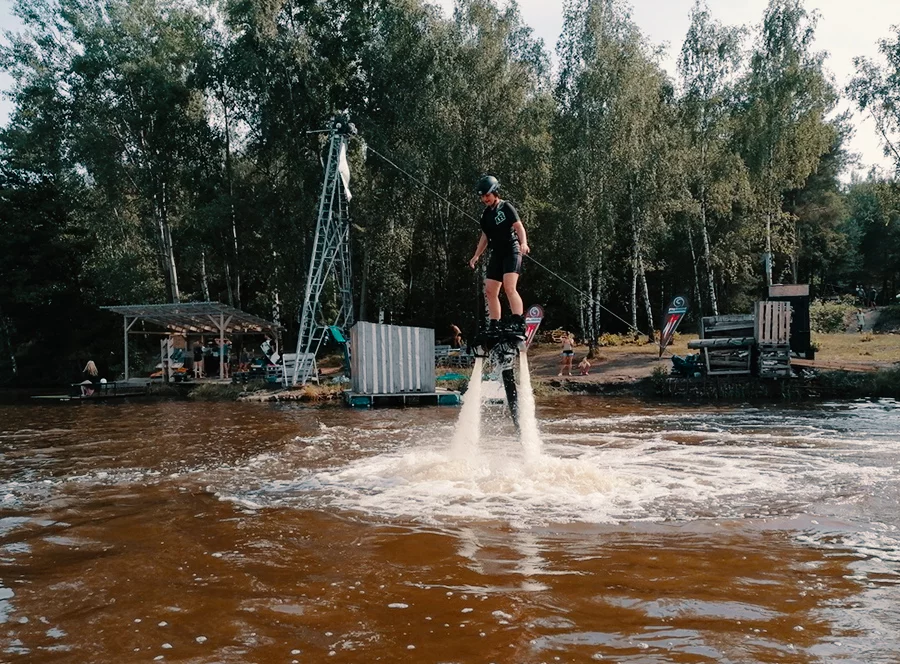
(500, 218)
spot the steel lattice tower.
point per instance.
(330, 258)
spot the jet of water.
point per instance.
(468, 426)
(528, 429)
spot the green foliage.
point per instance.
(828, 317)
(217, 392)
(608, 339)
(155, 154)
(849, 385)
(888, 319)
(659, 374)
(876, 90)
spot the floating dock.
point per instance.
(442, 398)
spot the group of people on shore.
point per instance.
(205, 359)
(568, 357)
(866, 297)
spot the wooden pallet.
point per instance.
(774, 360)
(773, 322)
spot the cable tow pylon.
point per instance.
(330, 258)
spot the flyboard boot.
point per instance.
(501, 344)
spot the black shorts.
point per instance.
(500, 264)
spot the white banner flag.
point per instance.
(344, 169)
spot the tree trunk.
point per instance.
(168, 255)
(795, 259)
(230, 179)
(363, 283)
(648, 309)
(587, 307)
(228, 275)
(204, 282)
(707, 261)
(698, 300)
(635, 240)
(598, 292)
(4, 327)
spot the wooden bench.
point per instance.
(109, 389)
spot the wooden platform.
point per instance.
(102, 392)
(440, 398)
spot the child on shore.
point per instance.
(584, 366)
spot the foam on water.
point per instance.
(700, 465)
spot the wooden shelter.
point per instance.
(194, 318)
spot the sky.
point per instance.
(846, 29)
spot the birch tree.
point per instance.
(786, 97)
(710, 58)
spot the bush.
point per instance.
(659, 374)
(859, 385)
(216, 392)
(620, 339)
(888, 319)
(828, 317)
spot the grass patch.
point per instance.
(162, 390)
(847, 384)
(852, 347)
(633, 339)
(542, 388)
(217, 392)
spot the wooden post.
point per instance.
(221, 346)
(126, 326)
(162, 358)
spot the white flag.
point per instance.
(344, 169)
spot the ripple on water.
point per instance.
(635, 467)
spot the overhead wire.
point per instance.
(465, 213)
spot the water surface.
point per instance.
(175, 531)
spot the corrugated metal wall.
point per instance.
(390, 359)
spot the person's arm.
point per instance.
(519, 228)
(482, 245)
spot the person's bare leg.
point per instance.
(510, 281)
(492, 293)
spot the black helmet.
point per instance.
(488, 184)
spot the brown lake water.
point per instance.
(191, 532)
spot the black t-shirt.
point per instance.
(497, 224)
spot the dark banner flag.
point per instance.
(676, 311)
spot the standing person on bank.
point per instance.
(198, 359)
(501, 230)
(568, 353)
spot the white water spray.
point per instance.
(528, 430)
(468, 426)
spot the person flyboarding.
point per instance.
(503, 232)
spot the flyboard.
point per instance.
(500, 347)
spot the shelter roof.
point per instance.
(197, 318)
